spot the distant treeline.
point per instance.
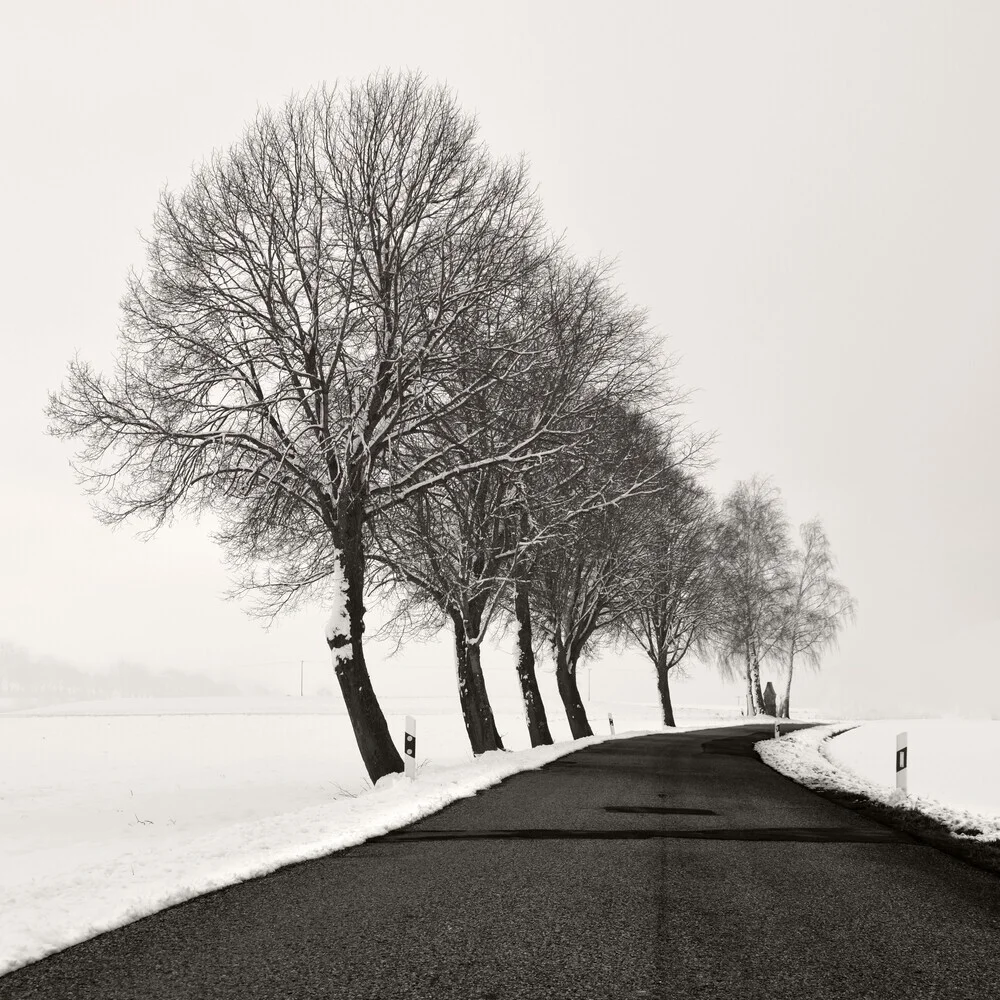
(23, 674)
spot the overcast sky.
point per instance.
(805, 196)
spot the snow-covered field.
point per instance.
(111, 811)
(951, 766)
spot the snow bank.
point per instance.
(951, 767)
(107, 817)
(953, 761)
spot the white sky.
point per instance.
(804, 195)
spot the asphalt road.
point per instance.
(662, 866)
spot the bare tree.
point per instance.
(580, 590)
(673, 606)
(751, 566)
(816, 605)
(606, 361)
(462, 545)
(310, 315)
(446, 546)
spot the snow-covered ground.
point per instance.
(951, 766)
(112, 810)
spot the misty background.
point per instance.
(804, 196)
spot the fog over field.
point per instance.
(803, 197)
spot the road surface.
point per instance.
(659, 866)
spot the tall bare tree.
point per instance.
(580, 588)
(751, 565)
(309, 316)
(606, 362)
(673, 606)
(447, 548)
(816, 607)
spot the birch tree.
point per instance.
(306, 320)
(751, 565)
(817, 606)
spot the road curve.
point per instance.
(660, 866)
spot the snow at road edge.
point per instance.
(56, 892)
(808, 757)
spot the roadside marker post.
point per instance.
(410, 748)
(902, 753)
(611, 723)
(777, 730)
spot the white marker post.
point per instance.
(611, 723)
(902, 751)
(410, 748)
(777, 730)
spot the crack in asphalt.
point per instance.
(795, 834)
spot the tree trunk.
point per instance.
(475, 622)
(579, 725)
(786, 694)
(476, 711)
(482, 696)
(758, 695)
(663, 685)
(377, 749)
(753, 675)
(534, 710)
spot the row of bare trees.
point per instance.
(357, 346)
